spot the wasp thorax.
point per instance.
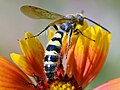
(70, 17)
(67, 26)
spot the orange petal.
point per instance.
(71, 64)
(21, 62)
(32, 60)
(110, 85)
(50, 34)
(70, 59)
(12, 78)
(64, 44)
(86, 57)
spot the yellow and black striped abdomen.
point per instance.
(52, 52)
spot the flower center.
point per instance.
(61, 86)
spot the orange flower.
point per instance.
(31, 61)
(12, 78)
(85, 59)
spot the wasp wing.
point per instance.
(39, 13)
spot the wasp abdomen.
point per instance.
(52, 53)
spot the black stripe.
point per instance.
(57, 39)
(53, 58)
(50, 75)
(55, 27)
(60, 32)
(53, 48)
(50, 67)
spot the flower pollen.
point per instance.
(61, 86)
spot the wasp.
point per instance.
(39, 13)
(66, 24)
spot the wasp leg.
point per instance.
(86, 36)
(45, 30)
(38, 79)
(69, 42)
(56, 28)
(41, 31)
(28, 83)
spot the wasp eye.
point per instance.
(80, 17)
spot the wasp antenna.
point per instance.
(97, 24)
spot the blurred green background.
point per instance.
(13, 25)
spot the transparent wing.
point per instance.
(39, 13)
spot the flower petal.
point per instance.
(110, 85)
(32, 61)
(12, 78)
(50, 34)
(21, 62)
(86, 57)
